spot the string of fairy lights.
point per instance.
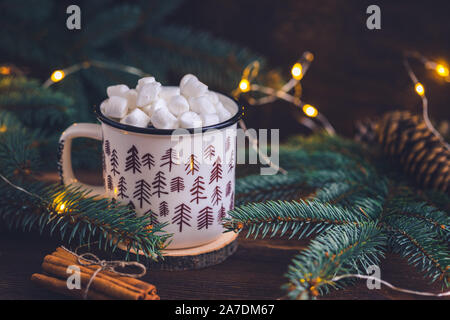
(441, 70)
(298, 71)
(247, 85)
(291, 91)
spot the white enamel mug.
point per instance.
(184, 177)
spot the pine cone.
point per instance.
(405, 138)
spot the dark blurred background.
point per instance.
(356, 73)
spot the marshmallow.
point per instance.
(209, 119)
(222, 112)
(137, 118)
(186, 78)
(178, 105)
(193, 88)
(117, 90)
(155, 105)
(103, 105)
(148, 93)
(189, 106)
(116, 107)
(212, 97)
(131, 96)
(189, 119)
(144, 81)
(163, 119)
(201, 105)
(167, 93)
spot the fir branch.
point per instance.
(104, 27)
(373, 201)
(434, 219)
(45, 108)
(418, 245)
(344, 249)
(21, 92)
(435, 198)
(292, 217)
(262, 188)
(214, 61)
(18, 157)
(74, 213)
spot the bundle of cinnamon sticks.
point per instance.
(106, 285)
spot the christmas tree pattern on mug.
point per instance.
(231, 162)
(216, 172)
(131, 206)
(153, 217)
(163, 209)
(209, 196)
(59, 160)
(171, 159)
(148, 161)
(142, 192)
(103, 165)
(232, 201)
(110, 183)
(159, 184)
(122, 188)
(216, 196)
(210, 152)
(228, 189)
(198, 190)
(192, 166)
(182, 216)
(114, 162)
(177, 184)
(132, 162)
(107, 148)
(205, 218)
(221, 214)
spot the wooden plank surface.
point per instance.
(255, 271)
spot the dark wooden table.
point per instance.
(255, 271)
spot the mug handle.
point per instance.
(77, 130)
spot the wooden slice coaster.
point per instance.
(199, 257)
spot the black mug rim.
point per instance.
(234, 119)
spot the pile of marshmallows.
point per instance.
(189, 106)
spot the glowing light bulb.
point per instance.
(442, 70)
(60, 207)
(309, 56)
(310, 111)
(57, 75)
(419, 89)
(3, 128)
(5, 70)
(244, 85)
(297, 71)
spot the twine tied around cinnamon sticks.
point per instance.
(100, 279)
(105, 265)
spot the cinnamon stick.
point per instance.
(106, 284)
(60, 286)
(51, 260)
(148, 289)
